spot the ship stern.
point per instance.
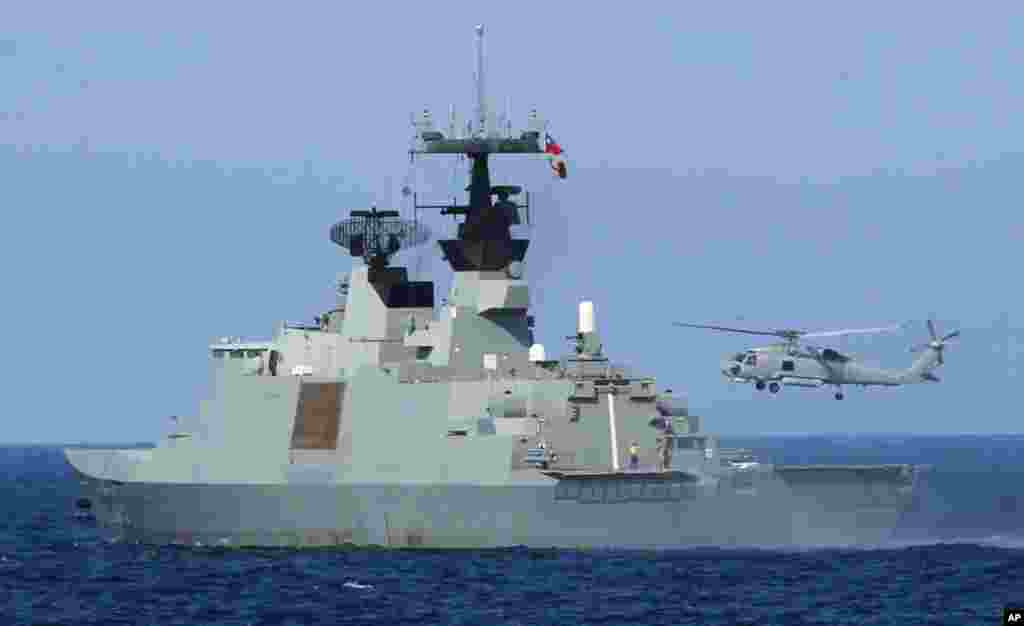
(849, 504)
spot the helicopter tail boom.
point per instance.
(918, 372)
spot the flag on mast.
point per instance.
(551, 146)
(554, 155)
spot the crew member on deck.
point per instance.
(665, 452)
(634, 455)
(668, 442)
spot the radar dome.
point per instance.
(537, 353)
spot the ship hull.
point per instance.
(763, 511)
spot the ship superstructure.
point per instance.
(393, 420)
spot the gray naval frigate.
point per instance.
(394, 422)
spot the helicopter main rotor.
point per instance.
(789, 335)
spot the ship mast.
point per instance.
(484, 240)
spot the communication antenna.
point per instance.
(453, 124)
(481, 97)
(508, 117)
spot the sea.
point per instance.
(957, 559)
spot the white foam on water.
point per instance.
(992, 541)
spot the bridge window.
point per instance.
(831, 355)
(690, 443)
(237, 354)
(217, 354)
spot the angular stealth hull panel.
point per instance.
(764, 511)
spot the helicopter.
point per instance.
(795, 364)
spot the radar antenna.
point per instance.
(378, 235)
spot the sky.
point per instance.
(170, 175)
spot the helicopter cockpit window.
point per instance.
(831, 355)
(739, 357)
(751, 359)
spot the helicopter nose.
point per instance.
(731, 369)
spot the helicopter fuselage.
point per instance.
(796, 368)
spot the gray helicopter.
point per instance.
(794, 364)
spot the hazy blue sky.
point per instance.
(170, 173)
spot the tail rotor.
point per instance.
(937, 343)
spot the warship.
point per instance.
(394, 422)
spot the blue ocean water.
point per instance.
(958, 559)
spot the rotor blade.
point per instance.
(955, 333)
(931, 329)
(940, 358)
(851, 331)
(773, 333)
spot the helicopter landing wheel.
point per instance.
(774, 387)
(839, 395)
(759, 385)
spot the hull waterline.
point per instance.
(538, 515)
